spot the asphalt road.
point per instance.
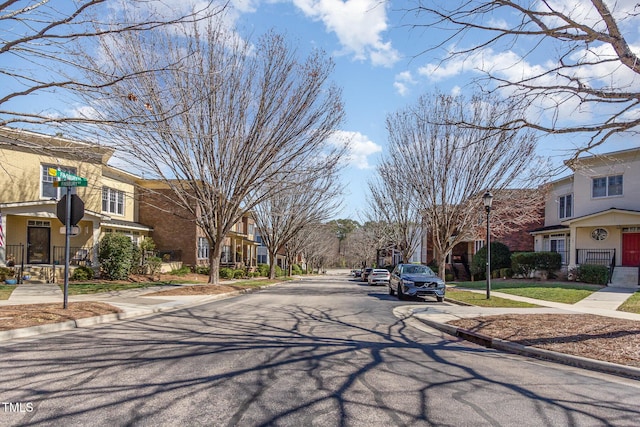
(318, 352)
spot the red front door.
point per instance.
(631, 249)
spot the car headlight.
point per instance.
(408, 283)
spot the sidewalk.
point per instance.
(132, 303)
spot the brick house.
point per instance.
(504, 229)
(175, 231)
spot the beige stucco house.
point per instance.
(115, 201)
(593, 215)
(32, 235)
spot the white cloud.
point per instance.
(360, 148)
(403, 82)
(358, 24)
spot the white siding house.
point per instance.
(593, 215)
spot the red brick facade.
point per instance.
(174, 228)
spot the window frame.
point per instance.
(565, 206)
(203, 248)
(112, 199)
(608, 186)
(46, 181)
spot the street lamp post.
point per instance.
(487, 199)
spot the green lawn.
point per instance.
(547, 291)
(5, 291)
(632, 305)
(96, 288)
(480, 300)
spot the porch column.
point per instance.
(3, 238)
(96, 242)
(572, 247)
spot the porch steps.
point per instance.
(625, 277)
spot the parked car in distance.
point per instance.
(365, 274)
(356, 272)
(415, 280)
(379, 276)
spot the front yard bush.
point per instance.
(263, 269)
(226, 273)
(202, 269)
(154, 265)
(525, 263)
(82, 273)
(598, 274)
(238, 274)
(115, 254)
(500, 258)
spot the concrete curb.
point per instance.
(124, 315)
(510, 347)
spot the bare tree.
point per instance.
(450, 167)
(393, 202)
(590, 86)
(39, 47)
(223, 123)
(285, 214)
(362, 244)
(318, 245)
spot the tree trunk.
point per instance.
(272, 265)
(214, 263)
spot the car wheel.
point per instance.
(440, 299)
(391, 291)
(401, 295)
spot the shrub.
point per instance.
(115, 254)
(238, 274)
(184, 270)
(263, 270)
(226, 273)
(598, 274)
(296, 269)
(154, 263)
(500, 258)
(279, 272)
(202, 269)
(82, 273)
(6, 273)
(506, 273)
(525, 263)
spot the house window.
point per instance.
(557, 243)
(48, 191)
(226, 254)
(566, 206)
(478, 244)
(112, 201)
(203, 248)
(607, 186)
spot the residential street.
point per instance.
(323, 351)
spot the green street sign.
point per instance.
(82, 182)
(67, 179)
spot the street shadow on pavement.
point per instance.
(266, 364)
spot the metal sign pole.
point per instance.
(67, 241)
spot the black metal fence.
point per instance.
(596, 256)
(606, 257)
(79, 255)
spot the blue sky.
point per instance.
(381, 69)
(382, 66)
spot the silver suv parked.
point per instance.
(415, 280)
